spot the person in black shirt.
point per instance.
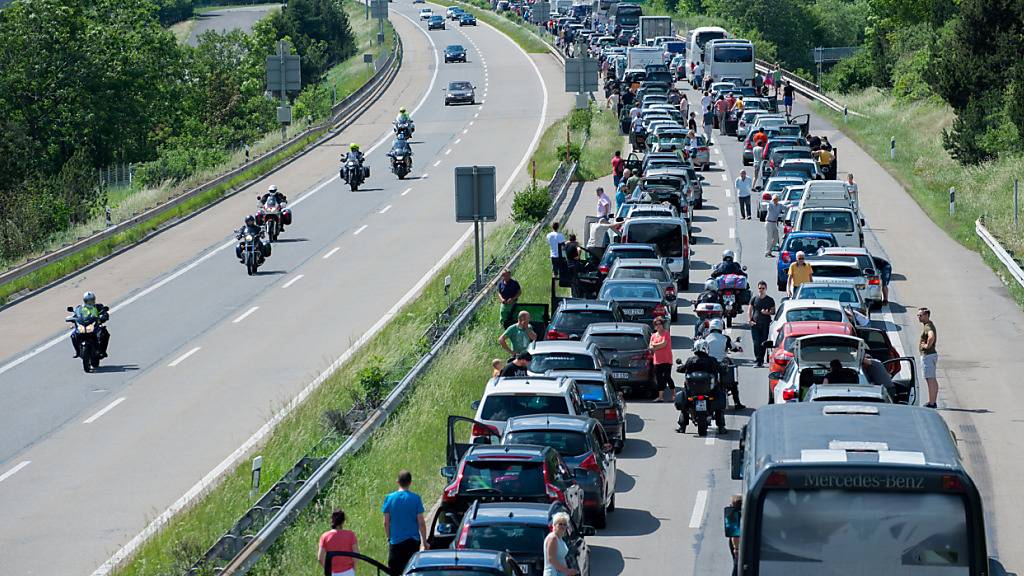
(787, 98)
(760, 314)
(517, 367)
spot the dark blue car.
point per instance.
(806, 242)
(454, 53)
(475, 562)
(467, 19)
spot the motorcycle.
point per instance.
(252, 255)
(273, 216)
(405, 127)
(735, 294)
(354, 174)
(699, 401)
(706, 312)
(86, 332)
(401, 164)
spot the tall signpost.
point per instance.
(476, 202)
(581, 78)
(284, 74)
(379, 10)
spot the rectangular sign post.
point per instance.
(476, 202)
(581, 78)
(379, 10)
(284, 74)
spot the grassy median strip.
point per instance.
(597, 126)
(514, 29)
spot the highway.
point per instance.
(228, 19)
(203, 356)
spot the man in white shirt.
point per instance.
(555, 239)
(743, 186)
(852, 189)
(604, 203)
(772, 219)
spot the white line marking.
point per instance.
(406, 191)
(890, 328)
(293, 281)
(732, 232)
(471, 122)
(361, 228)
(729, 210)
(710, 439)
(466, 130)
(698, 509)
(14, 470)
(717, 151)
(728, 193)
(103, 411)
(229, 462)
(331, 253)
(436, 163)
(477, 115)
(446, 152)
(425, 176)
(182, 358)
(247, 312)
(385, 209)
(457, 140)
(725, 178)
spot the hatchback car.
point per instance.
(806, 242)
(872, 266)
(505, 398)
(641, 300)
(626, 250)
(453, 12)
(435, 22)
(648, 269)
(454, 53)
(572, 317)
(806, 311)
(585, 449)
(548, 355)
(609, 403)
(845, 293)
(625, 349)
(459, 92)
(781, 352)
(467, 19)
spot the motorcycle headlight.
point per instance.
(248, 237)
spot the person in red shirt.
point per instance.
(760, 138)
(721, 106)
(338, 540)
(617, 167)
(661, 346)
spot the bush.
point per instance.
(580, 119)
(575, 151)
(850, 75)
(373, 382)
(530, 205)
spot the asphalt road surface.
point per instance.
(202, 356)
(228, 19)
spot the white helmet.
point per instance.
(729, 255)
(711, 285)
(716, 324)
(272, 189)
(89, 298)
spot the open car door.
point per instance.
(905, 379)
(802, 120)
(367, 561)
(879, 346)
(471, 432)
(633, 163)
(539, 316)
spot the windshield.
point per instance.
(837, 293)
(561, 361)
(451, 572)
(777, 184)
(658, 274)
(630, 253)
(827, 349)
(667, 237)
(592, 391)
(810, 533)
(828, 221)
(501, 407)
(514, 478)
(460, 86)
(628, 291)
(619, 342)
(578, 320)
(814, 315)
(659, 77)
(734, 54)
(808, 245)
(831, 271)
(566, 442)
(516, 538)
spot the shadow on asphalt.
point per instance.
(638, 449)
(631, 522)
(897, 308)
(606, 561)
(271, 272)
(117, 368)
(898, 277)
(707, 206)
(684, 342)
(367, 190)
(290, 240)
(634, 424)
(968, 410)
(704, 219)
(700, 264)
(623, 482)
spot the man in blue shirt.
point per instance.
(403, 524)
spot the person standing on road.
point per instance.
(338, 540)
(508, 294)
(852, 189)
(760, 314)
(705, 101)
(692, 122)
(661, 346)
(556, 550)
(555, 240)
(772, 219)
(403, 524)
(799, 272)
(517, 337)
(743, 186)
(929, 356)
(684, 105)
(777, 79)
(604, 203)
(620, 194)
(787, 98)
(632, 181)
(617, 168)
(709, 123)
(721, 107)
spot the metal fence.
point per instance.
(116, 175)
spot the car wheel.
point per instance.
(611, 504)
(771, 397)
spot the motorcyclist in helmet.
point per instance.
(701, 361)
(353, 154)
(718, 346)
(401, 147)
(90, 310)
(250, 227)
(403, 116)
(710, 294)
(728, 265)
(272, 192)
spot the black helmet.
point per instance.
(250, 220)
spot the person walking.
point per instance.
(852, 189)
(620, 195)
(760, 314)
(929, 356)
(508, 294)
(709, 123)
(787, 98)
(555, 240)
(337, 539)
(691, 123)
(777, 79)
(743, 187)
(684, 105)
(772, 220)
(705, 101)
(661, 346)
(604, 203)
(403, 523)
(799, 272)
(517, 337)
(721, 107)
(617, 167)
(556, 550)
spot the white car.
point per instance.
(811, 358)
(872, 291)
(426, 13)
(805, 310)
(563, 355)
(745, 121)
(507, 397)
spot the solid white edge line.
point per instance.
(293, 281)
(17, 468)
(709, 440)
(331, 253)
(385, 209)
(725, 178)
(728, 193)
(891, 330)
(361, 228)
(245, 314)
(184, 356)
(732, 232)
(103, 411)
(457, 140)
(447, 152)
(232, 459)
(698, 509)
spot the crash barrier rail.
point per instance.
(342, 115)
(1001, 253)
(242, 545)
(804, 87)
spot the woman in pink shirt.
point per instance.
(661, 346)
(338, 540)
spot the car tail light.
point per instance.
(556, 335)
(952, 483)
(789, 394)
(670, 291)
(875, 281)
(603, 268)
(766, 196)
(611, 414)
(463, 537)
(625, 238)
(702, 149)
(686, 246)
(786, 229)
(781, 358)
(771, 164)
(452, 490)
(777, 479)
(484, 430)
(659, 310)
(749, 145)
(590, 464)
(784, 256)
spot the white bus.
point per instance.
(729, 58)
(695, 46)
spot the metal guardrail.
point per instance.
(804, 87)
(343, 112)
(1001, 253)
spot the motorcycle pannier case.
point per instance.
(266, 249)
(366, 172)
(286, 217)
(737, 283)
(259, 219)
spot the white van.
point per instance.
(671, 237)
(729, 58)
(827, 193)
(844, 223)
(695, 45)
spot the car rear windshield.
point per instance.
(592, 391)
(659, 77)
(828, 221)
(814, 315)
(501, 407)
(566, 442)
(631, 253)
(826, 352)
(511, 477)
(840, 294)
(454, 572)
(619, 342)
(667, 237)
(658, 274)
(808, 245)
(834, 271)
(541, 363)
(516, 538)
(779, 184)
(781, 155)
(578, 320)
(629, 292)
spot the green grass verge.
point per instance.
(927, 172)
(605, 139)
(511, 26)
(546, 157)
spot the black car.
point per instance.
(435, 22)
(573, 316)
(520, 529)
(470, 562)
(586, 450)
(624, 346)
(460, 92)
(598, 388)
(467, 19)
(454, 53)
(641, 300)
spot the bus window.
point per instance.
(734, 54)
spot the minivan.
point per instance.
(843, 223)
(827, 193)
(671, 237)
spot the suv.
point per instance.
(505, 398)
(624, 346)
(585, 449)
(572, 317)
(609, 403)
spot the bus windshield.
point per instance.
(814, 532)
(734, 54)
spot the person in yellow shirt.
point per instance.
(738, 106)
(799, 272)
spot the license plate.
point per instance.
(525, 568)
(633, 311)
(620, 375)
(860, 286)
(729, 299)
(702, 405)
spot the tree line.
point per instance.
(86, 83)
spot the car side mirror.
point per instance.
(869, 272)
(731, 518)
(474, 404)
(589, 406)
(70, 309)
(590, 531)
(736, 464)
(448, 472)
(744, 268)
(862, 222)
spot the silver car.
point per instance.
(846, 270)
(649, 269)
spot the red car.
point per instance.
(781, 354)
